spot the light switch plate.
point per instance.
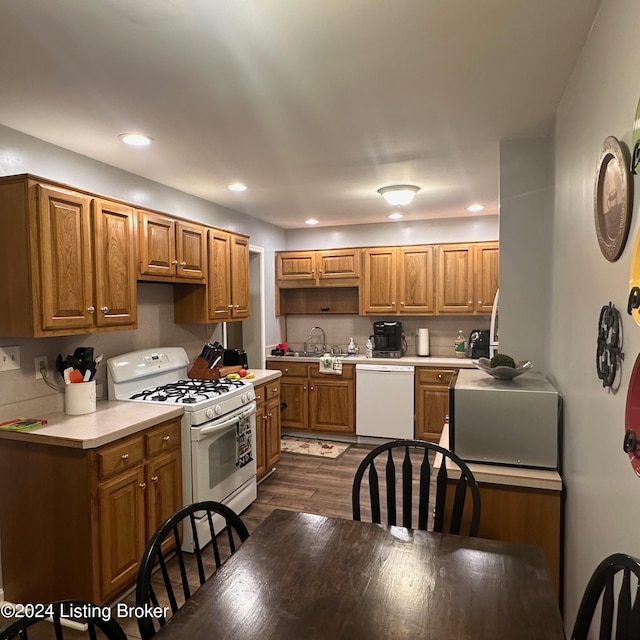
(9, 358)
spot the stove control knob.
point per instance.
(209, 413)
(243, 398)
(250, 395)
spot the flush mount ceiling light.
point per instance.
(135, 139)
(475, 207)
(395, 216)
(311, 221)
(399, 194)
(237, 186)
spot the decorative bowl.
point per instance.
(503, 373)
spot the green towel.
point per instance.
(22, 424)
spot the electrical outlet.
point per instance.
(40, 362)
(9, 358)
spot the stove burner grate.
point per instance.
(188, 391)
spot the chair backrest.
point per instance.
(188, 570)
(446, 490)
(618, 595)
(96, 618)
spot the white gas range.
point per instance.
(218, 425)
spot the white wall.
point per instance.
(474, 228)
(603, 493)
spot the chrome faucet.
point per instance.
(324, 338)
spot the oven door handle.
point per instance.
(197, 433)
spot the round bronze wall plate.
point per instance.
(612, 199)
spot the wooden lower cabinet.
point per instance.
(317, 401)
(74, 522)
(431, 401)
(267, 427)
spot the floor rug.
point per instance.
(311, 447)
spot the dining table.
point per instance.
(301, 576)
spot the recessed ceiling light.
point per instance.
(237, 186)
(311, 221)
(395, 216)
(135, 139)
(475, 207)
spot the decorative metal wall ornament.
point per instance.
(609, 345)
(612, 198)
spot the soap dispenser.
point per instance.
(351, 349)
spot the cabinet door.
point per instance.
(487, 269)
(164, 488)
(219, 280)
(378, 288)
(272, 432)
(239, 277)
(64, 249)
(432, 407)
(122, 530)
(415, 280)
(294, 392)
(296, 266)
(332, 406)
(339, 264)
(455, 279)
(261, 437)
(157, 245)
(191, 251)
(115, 251)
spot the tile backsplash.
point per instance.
(442, 330)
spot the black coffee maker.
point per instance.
(387, 339)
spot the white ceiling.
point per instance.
(315, 104)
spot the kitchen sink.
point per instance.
(303, 354)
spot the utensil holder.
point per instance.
(201, 370)
(80, 398)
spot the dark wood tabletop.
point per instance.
(303, 576)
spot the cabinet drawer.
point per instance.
(293, 369)
(442, 377)
(261, 394)
(163, 438)
(272, 389)
(119, 456)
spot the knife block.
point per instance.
(201, 371)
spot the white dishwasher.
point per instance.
(384, 400)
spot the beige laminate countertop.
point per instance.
(111, 421)
(416, 361)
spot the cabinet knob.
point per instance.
(319, 270)
(304, 388)
(229, 306)
(470, 302)
(142, 485)
(313, 271)
(237, 306)
(311, 388)
(91, 309)
(104, 309)
(393, 303)
(270, 414)
(174, 262)
(479, 301)
(166, 438)
(286, 370)
(125, 456)
(275, 389)
(439, 376)
(154, 478)
(402, 303)
(265, 417)
(183, 264)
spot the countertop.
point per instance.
(111, 421)
(417, 361)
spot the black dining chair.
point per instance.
(45, 621)
(182, 573)
(615, 584)
(442, 492)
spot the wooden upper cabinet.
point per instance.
(378, 290)
(64, 269)
(467, 277)
(171, 249)
(415, 280)
(191, 250)
(116, 291)
(239, 277)
(329, 267)
(487, 275)
(455, 278)
(398, 280)
(219, 281)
